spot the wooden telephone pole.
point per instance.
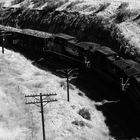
(39, 100)
(69, 74)
(4, 35)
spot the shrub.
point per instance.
(63, 84)
(79, 123)
(80, 94)
(85, 113)
(73, 4)
(123, 5)
(123, 15)
(17, 1)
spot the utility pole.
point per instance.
(4, 35)
(37, 99)
(42, 114)
(69, 74)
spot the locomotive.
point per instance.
(86, 55)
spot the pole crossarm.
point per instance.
(69, 74)
(72, 70)
(52, 100)
(37, 95)
(67, 70)
(71, 78)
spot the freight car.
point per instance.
(87, 55)
(27, 41)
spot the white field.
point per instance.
(19, 121)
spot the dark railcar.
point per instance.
(64, 48)
(58, 43)
(102, 61)
(133, 75)
(26, 39)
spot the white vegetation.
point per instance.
(18, 121)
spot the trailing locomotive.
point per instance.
(87, 55)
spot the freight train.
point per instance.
(86, 55)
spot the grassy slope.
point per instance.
(62, 121)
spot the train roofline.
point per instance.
(64, 36)
(29, 32)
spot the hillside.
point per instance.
(112, 23)
(77, 120)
